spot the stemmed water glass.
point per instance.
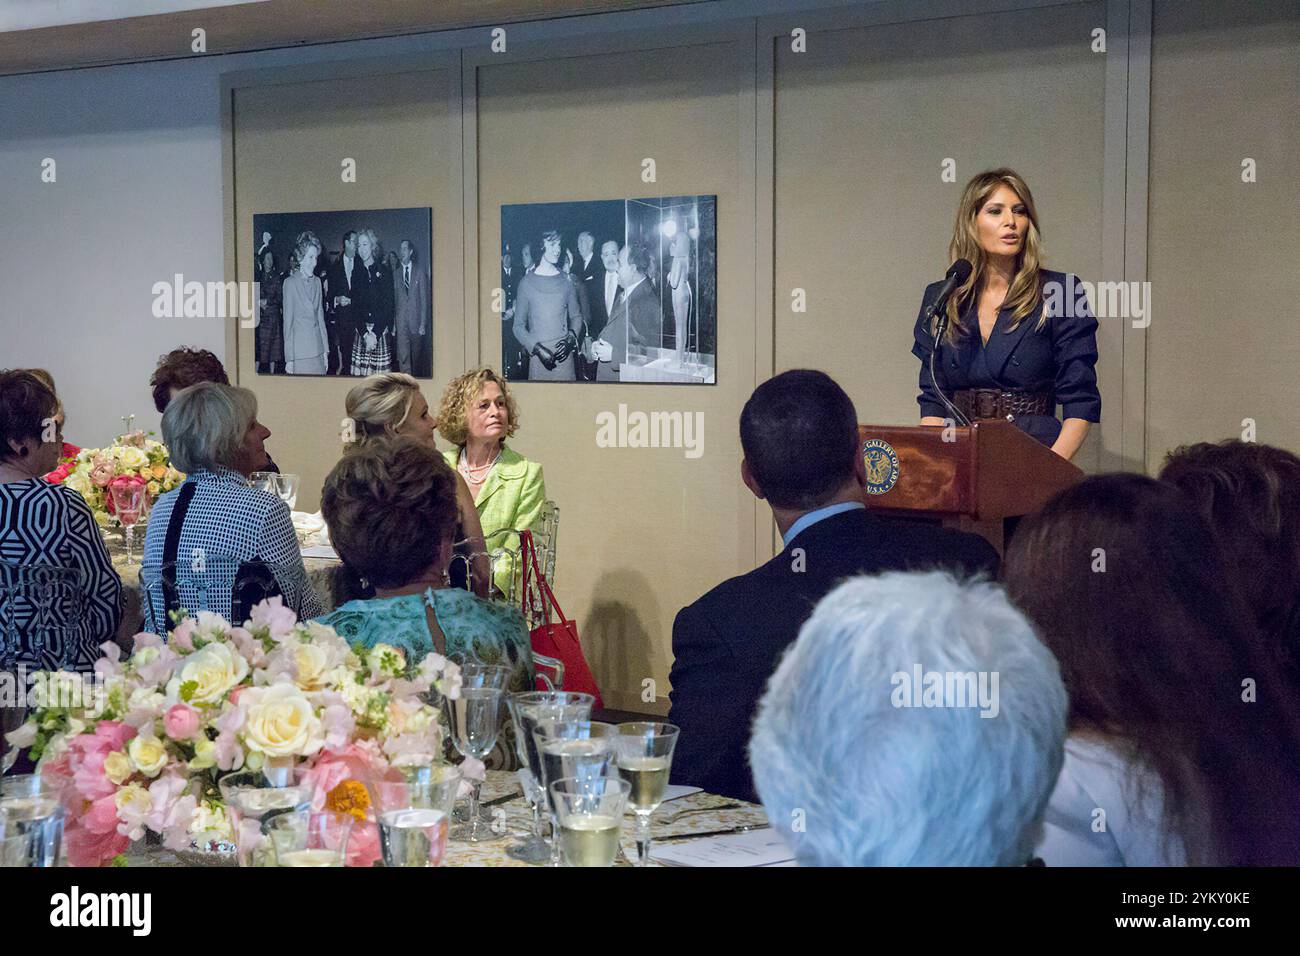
(645, 755)
(581, 750)
(286, 486)
(528, 709)
(473, 719)
(128, 502)
(589, 818)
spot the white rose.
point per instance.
(145, 656)
(281, 722)
(148, 754)
(312, 662)
(146, 698)
(213, 671)
(131, 457)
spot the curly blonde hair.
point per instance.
(453, 413)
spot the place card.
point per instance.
(752, 848)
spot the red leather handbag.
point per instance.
(558, 639)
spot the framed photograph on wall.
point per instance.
(344, 292)
(615, 290)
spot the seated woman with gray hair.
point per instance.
(215, 543)
(916, 721)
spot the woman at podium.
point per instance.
(1020, 339)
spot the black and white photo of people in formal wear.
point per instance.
(344, 292)
(619, 290)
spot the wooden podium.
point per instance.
(974, 480)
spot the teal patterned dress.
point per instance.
(475, 630)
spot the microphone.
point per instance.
(957, 275)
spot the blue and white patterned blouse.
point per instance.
(227, 519)
(45, 524)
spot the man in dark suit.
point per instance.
(636, 318)
(799, 432)
(346, 289)
(411, 298)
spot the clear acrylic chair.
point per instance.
(43, 607)
(207, 581)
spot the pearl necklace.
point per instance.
(467, 471)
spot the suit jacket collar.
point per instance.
(509, 468)
(1002, 343)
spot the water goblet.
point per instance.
(414, 815)
(128, 502)
(527, 710)
(32, 806)
(265, 481)
(286, 486)
(645, 755)
(589, 814)
(473, 720)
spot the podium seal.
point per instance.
(882, 465)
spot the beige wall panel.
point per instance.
(864, 120)
(643, 531)
(1225, 81)
(289, 143)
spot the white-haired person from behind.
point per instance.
(916, 721)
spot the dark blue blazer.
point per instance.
(727, 644)
(1061, 358)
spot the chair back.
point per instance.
(207, 581)
(44, 607)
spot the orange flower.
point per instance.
(160, 472)
(350, 797)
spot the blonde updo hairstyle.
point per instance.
(381, 404)
(1025, 292)
(463, 391)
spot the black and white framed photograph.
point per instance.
(344, 292)
(616, 290)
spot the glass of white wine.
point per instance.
(645, 755)
(308, 838)
(589, 812)
(529, 709)
(573, 749)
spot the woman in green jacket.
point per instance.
(477, 415)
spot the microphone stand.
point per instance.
(941, 326)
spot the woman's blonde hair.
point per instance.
(453, 414)
(1025, 292)
(380, 405)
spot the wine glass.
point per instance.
(473, 719)
(254, 798)
(310, 838)
(286, 486)
(414, 815)
(645, 755)
(128, 501)
(589, 816)
(528, 709)
(12, 715)
(581, 750)
(265, 481)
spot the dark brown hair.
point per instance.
(181, 368)
(1250, 494)
(391, 505)
(26, 404)
(1128, 588)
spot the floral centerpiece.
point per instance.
(133, 457)
(142, 747)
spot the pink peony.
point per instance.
(275, 617)
(88, 847)
(114, 733)
(181, 722)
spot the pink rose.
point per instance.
(181, 722)
(183, 635)
(101, 475)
